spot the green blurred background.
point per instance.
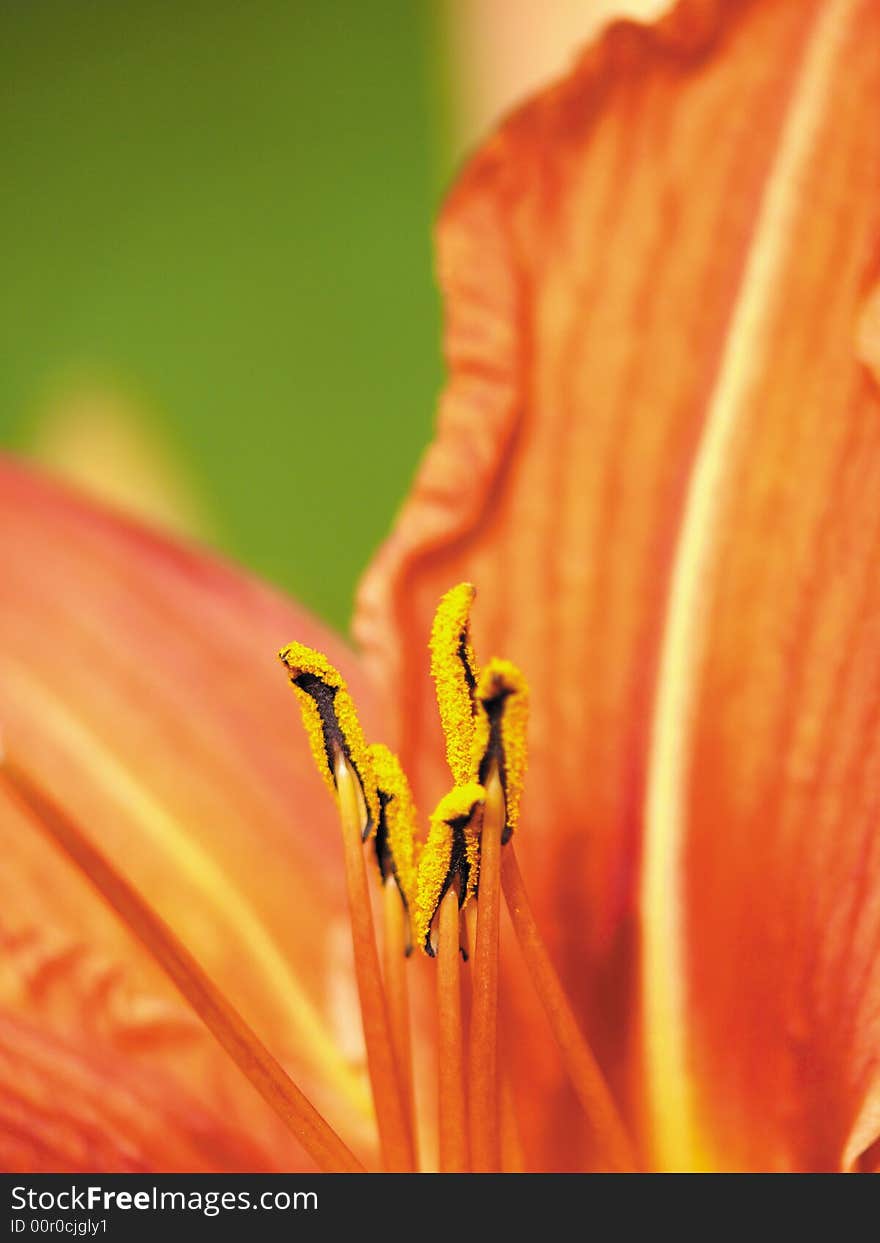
(216, 230)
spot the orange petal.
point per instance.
(596, 258)
(74, 1106)
(590, 258)
(138, 683)
(762, 875)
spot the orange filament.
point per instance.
(224, 1022)
(512, 1156)
(483, 1062)
(451, 1111)
(586, 1078)
(388, 1096)
(397, 990)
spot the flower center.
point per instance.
(445, 895)
(441, 894)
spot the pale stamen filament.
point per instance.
(392, 1115)
(483, 1060)
(451, 1111)
(395, 961)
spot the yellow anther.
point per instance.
(500, 735)
(451, 853)
(453, 669)
(332, 725)
(396, 831)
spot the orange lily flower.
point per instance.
(657, 458)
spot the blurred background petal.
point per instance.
(113, 448)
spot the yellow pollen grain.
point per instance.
(463, 802)
(453, 668)
(400, 818)
(501, 679)
(299, 659)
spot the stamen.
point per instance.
(342, 757)
(451, 853)
(500, 733)
(388, 1095)
(483, 1078)
(612, 1138)
(453, 668)
(219, 1016)
(451, 1109)
(396, 830)
(331, 723)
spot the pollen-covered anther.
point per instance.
(453, 668)
(334, 731)
(502, 697)
(395, 838)
(451, 854)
